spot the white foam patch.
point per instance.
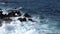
(32, 31)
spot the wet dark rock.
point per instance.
(22, 19)
(30, 20)
(27, 15)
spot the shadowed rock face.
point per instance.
(22, 19)
(27, 15)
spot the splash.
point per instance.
(28, 27)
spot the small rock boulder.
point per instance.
(27, 15)
(22, 19)
(31, 20)
(11, 14)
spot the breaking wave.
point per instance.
(40, 26)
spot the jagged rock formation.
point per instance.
(13, 13)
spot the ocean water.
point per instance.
(46, 13)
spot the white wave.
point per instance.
(28, 27)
